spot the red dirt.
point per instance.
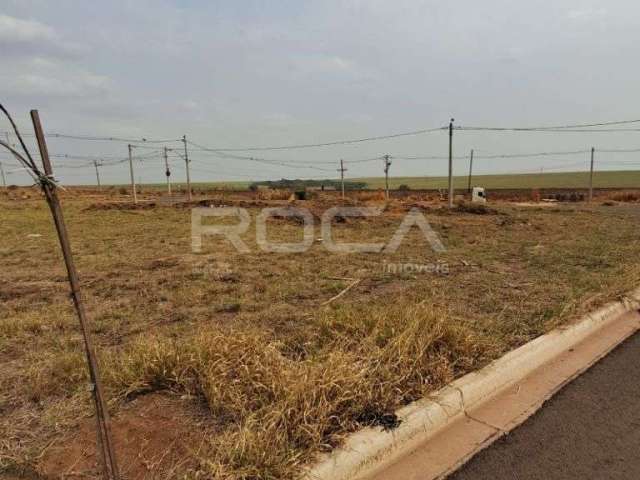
(153, 435)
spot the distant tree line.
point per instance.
(299, 184)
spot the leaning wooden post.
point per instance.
(105, 442)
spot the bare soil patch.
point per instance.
(155, 435)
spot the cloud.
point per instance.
(38, 62)
(16, 30)
(323, 64)
(49, 78)
(278, 119)
(586, 13)
(21, 37)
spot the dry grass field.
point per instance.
(227, 365)
(620, 179)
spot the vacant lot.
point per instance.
(229, 365)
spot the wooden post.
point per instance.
(387, 163)
(451, 164)
(133, 180)
(105, 442)
(591, 175)
(342, 170)
(186, 160)
(95, 164)
(470, 170)
(167, 171)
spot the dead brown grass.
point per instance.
(360, 367)
(629, 196)
(281, 377)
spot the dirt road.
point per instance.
(589, 430)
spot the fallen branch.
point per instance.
(349, 287)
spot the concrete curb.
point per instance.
(364, 451)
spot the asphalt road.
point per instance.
(590, 430)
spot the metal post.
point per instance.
(186, 160)
(387, 163)
(133, 180)
(342, 170)
(451, 163)
(591, 176)
(95, 164)
(167, 171)
(470, 170)
(105, 442)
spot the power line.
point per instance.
(602, 124)
(314, 145)
(269, 161)
(217, 153)
(103, 138)
(144, 140)
(620, 150)
(547, 130)
(529, 155)
(557, 127)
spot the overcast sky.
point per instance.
(241, 73)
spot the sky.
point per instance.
(244, 73)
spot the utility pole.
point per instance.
(342, 170)
(591, 176)
(470, 170)
(387, 164)
(451, 163)
(186, 160)
(95, 164)
(105, 441)
(167, 171)
(133, 180)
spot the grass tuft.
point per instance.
(276, 411)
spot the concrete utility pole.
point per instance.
(95, 164)
(387, 164)
(591, 175)
(186, 160)
(470, 170)
(342, 170)
(451, 163)
(167, 172)
(133, 180)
